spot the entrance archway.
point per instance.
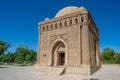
(58, 54)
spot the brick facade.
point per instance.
(70, 40)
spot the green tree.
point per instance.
(20, 54)
(9, 57)
(28, 58)
(24, 55)
(33, 55)
(108, 54)
(2, 58)
(117, 58)
(3, 47)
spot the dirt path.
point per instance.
(108, 72)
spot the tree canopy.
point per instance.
(22, 54)
(3, 46)
(108, 55)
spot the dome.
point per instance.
(47, 19)
(69, 10)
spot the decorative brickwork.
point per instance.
(71, 41)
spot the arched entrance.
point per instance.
(58, 53)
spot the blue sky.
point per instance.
(19, 20)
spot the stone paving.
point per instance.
(108, 72)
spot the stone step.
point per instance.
(56, 70)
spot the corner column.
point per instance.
(38, 53)
(85, 46)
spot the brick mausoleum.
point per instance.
(68, 43)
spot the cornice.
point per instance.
(62, 17)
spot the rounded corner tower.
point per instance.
(68, 43)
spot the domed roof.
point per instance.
(69, 10)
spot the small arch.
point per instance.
(82, 19)
(70, 22)
(47, 27)
(65, 23)
(43, 28)
(60, 24)
(51, 26)
(55, 25)
(76, 20)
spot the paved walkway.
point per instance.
(108, 72)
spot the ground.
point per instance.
(108, 72)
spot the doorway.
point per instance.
(58, 54)
(61, 59)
